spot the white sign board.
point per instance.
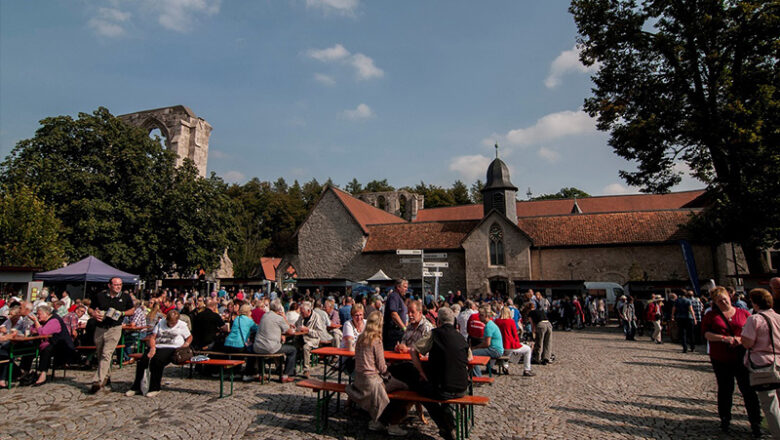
(411, 261)
(436, 255)
(408, 252)
(433, 274)
(436, 264)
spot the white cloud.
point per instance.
(335, 53)
(324, 79)
(179, 15)
(108, 22)
(567, 61)
(547, 128)
(176, 15)
(234, 177)
(549, 155)
(365, 68)
(362, 111)
(345, 7)
(218, 154)
(470, 167)
(617, 188)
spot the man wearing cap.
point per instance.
(109, 328)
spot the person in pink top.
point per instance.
(516, 351)
(48, 323)
(761, 336)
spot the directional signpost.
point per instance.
(418, 256)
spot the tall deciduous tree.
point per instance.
(32, 235)
(693, 83)
(378, 186)
(116, 192)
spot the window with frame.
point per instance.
(496, 236)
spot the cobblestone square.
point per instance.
(600, 386)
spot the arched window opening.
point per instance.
(402, 206)
(496, 236)
(381, 203)
(157, 135)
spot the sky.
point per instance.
(402, 90)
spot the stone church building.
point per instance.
(503, 245)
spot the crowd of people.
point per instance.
(449, 330)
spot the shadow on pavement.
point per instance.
(704, 367)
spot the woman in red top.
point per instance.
(722, 326)
(512, 346)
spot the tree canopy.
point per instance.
(120, 197)
(564, 193)
(33, 235)
(693, 84)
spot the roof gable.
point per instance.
(363, 213)
(269, 266)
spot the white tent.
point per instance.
(379, 276)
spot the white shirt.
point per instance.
(463, 318)
(171, 337)
(292, 316)
(349, 331)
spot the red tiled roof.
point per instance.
(433, 235)
(364, 213)
(624, 203)
(269, 265)
(607, 228)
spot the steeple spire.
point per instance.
(496, 150)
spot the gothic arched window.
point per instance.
(496, 236)
(381, 203)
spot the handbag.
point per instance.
(145, 379)
(765, 377)
(182, 355)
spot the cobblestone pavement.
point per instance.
(600, 387)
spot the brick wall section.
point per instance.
(478, 268)
(661, 262)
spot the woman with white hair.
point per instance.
(239, 338)
(60, 343)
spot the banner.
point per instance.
(690, 264)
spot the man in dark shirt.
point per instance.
(543, 334)
(682, 312)
(445, 375)
(109, 309)
(206, 325)
(395, 315)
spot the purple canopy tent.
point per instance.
(87, 270)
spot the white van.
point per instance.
(609, 291)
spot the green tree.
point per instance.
(459, 193)
(281, 186)
(475, 192)
(435, 196)
(253, 234)
(31, 233)
(564, 193)
(110, 185)
(693, 82)
(311, 192)
(354, 187)
(378, 186)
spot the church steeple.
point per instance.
(499, 192)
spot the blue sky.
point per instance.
(397, 90)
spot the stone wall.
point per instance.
(328, 240)
(392, 202)
(659, 262)
(478, 268)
